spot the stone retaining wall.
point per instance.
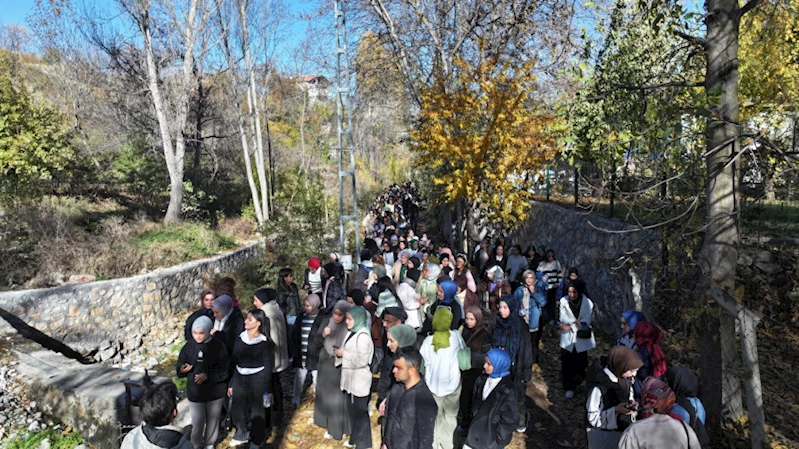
(618, 267)
(116, 309)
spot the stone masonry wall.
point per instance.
(618, 267)
(116, 309)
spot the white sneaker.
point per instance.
(569, 394)
(234, 442)
(327, 435)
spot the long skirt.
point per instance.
(330, 405)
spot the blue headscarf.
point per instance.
(501, 362)
(450, 288)
(633, 317)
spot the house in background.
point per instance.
(317, 87)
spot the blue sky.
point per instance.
(16, 11)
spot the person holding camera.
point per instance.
(611, 406)
(159, 407)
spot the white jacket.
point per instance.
(410, 302)
(568, 339)
(135, 439)
(442, 372)
(356, 377)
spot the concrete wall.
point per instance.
(115, 309)
(618, 267)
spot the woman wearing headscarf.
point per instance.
(495, 286)
(576, 336)
(333, 289)
(386, 296)
(465, 297)
(206, 301)
(354, 357)
(252, 380)
(462, 267)
(475, 335)
(629, 319)
(330, 404)
(611, 406)
(658, 430)
(400, 266)
(266, 299)
(228, 323)
(648, 338)
(509, 334)
(532, 296)
(305, 343)
(428, 287)
(687, 405)
(399, 336)
(204, 362)
(356, 298)
(494, 412)
(443, 375)
(445, 298)
(315, 279)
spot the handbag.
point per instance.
(585, 331)
(465, 359)
(603, 439)
(377, 361)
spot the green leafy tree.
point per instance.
(34, 139)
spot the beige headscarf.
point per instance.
(338, 331)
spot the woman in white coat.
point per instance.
(576, 337)
(356, 377)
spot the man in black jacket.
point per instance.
(410, 408)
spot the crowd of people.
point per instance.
(452, 338)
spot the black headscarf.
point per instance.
(508, 331)
(357, 296)
(266, 294)
(575, 305)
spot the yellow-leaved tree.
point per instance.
(485, 137)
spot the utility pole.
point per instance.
(344, 116)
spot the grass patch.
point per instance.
(184, 238)
(775, 219)
(58, 440)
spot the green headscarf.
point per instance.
(358, 315)
(441, 323)
(404, 334)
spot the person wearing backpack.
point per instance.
(687, 406)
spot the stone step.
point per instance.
(89, 397)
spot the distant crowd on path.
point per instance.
(453, 339)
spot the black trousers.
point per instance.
(551, 308)
(573, 366)
(535, 337)
(274, 414)
(358, 409)
(248, 405)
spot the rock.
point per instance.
(34, 426)
(764, 256)
(80, 446)
(33, 404)
(745, 260)
(151, 362)
(45, 444)
(105, 355)
(81, 278)
(132, 343)
(769, 268)
(105, 345)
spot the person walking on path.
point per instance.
(330, 404)
(576, 336)
(443, 375)
(252, 380)
(204, 362)
(410, 408)
(354, 357)
(553, 270)
(266, 299)
(494, 412)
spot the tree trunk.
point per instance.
(719, 254)
(255, 114)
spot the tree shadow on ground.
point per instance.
(46, 341)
